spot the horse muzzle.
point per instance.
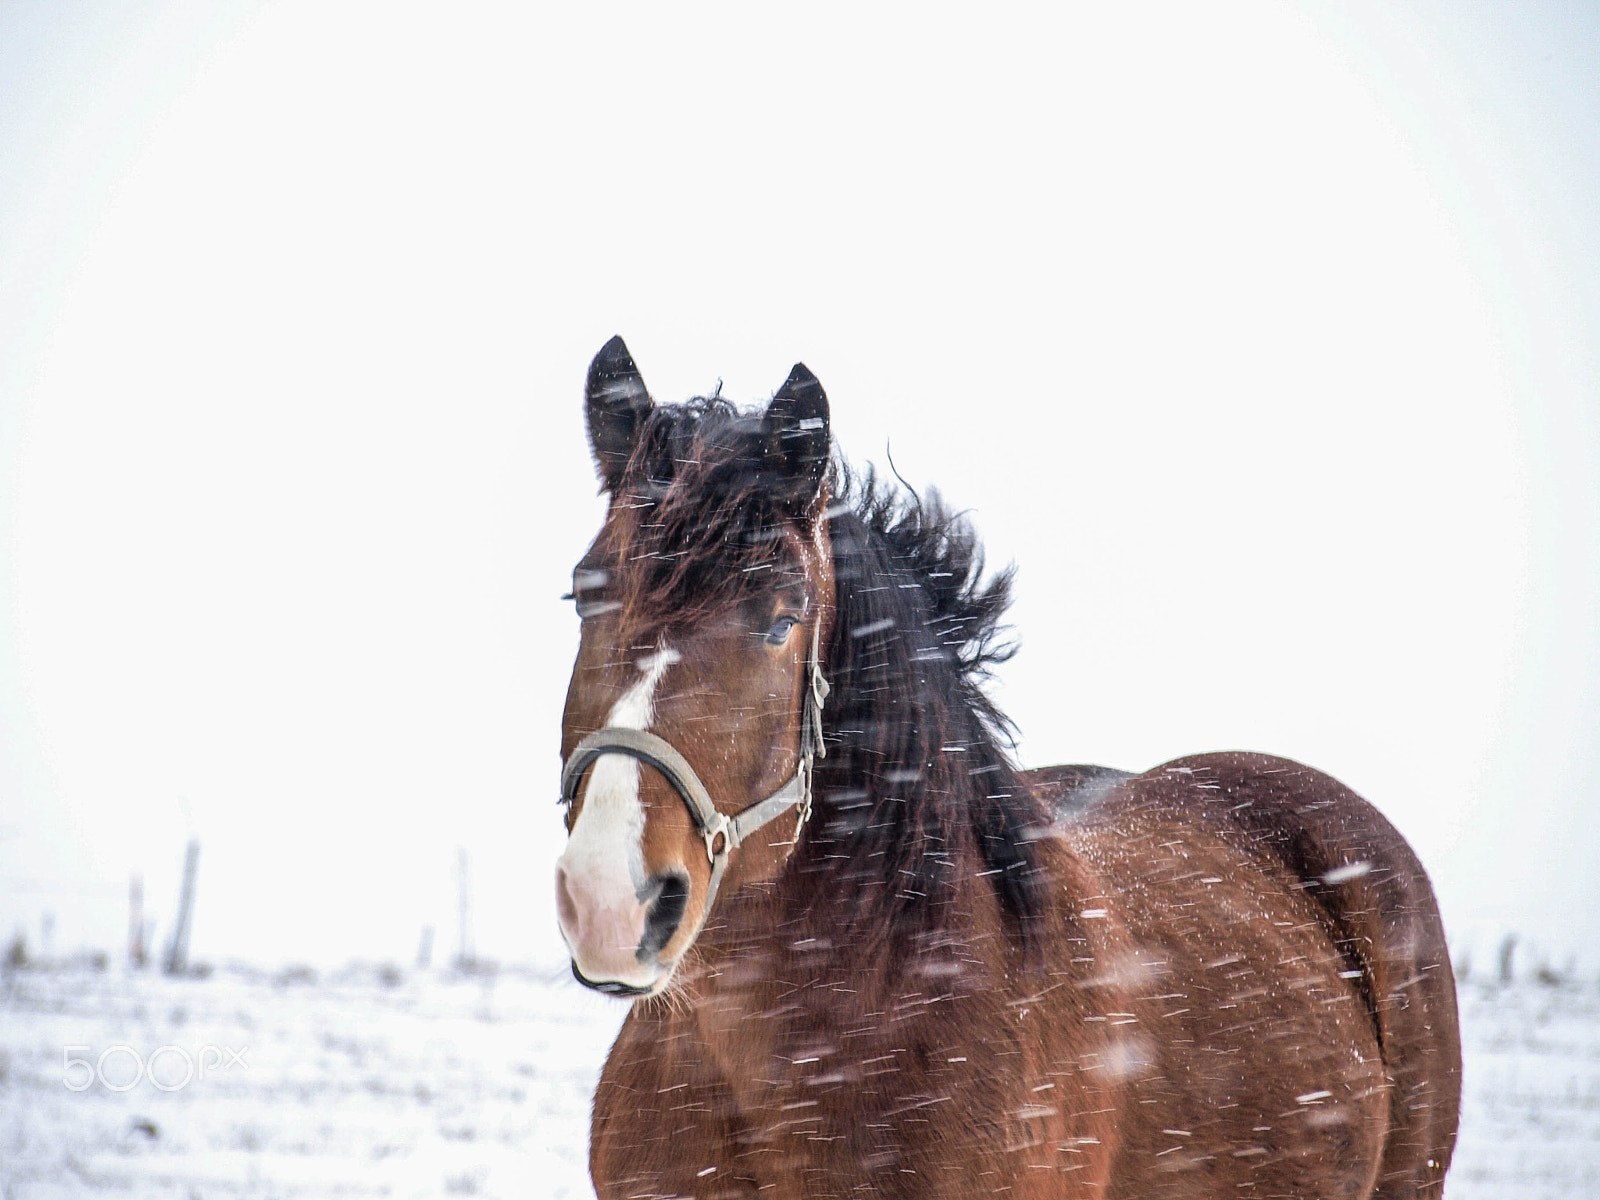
(616, 944)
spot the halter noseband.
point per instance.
(722, 833)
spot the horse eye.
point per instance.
(780, 631)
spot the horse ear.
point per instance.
(616, 402)
(796, 427)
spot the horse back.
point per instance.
(1288, 866)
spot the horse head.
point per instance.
(693, 713)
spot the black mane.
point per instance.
(916, 778)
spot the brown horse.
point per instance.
(872, 957)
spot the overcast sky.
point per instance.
(1262, 337)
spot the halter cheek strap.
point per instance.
(722, 833)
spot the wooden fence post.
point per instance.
(178, 952)
(137, 953)
(467, 959)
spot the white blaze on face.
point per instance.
(600, 877)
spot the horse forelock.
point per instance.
(695, 524)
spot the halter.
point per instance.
(722, 833)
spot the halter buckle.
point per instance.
(723, 828)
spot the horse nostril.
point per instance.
(666, 914)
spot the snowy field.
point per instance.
(386, 1083)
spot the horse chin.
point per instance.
(615, 987)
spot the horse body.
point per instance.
(1224, 976)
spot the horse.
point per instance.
(869, 955)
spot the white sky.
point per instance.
(1262, 337)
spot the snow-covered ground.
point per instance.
(387, 1083)
(1530, 1119)
(361, 1083)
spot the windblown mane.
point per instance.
(916, 791)
(917, 788)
